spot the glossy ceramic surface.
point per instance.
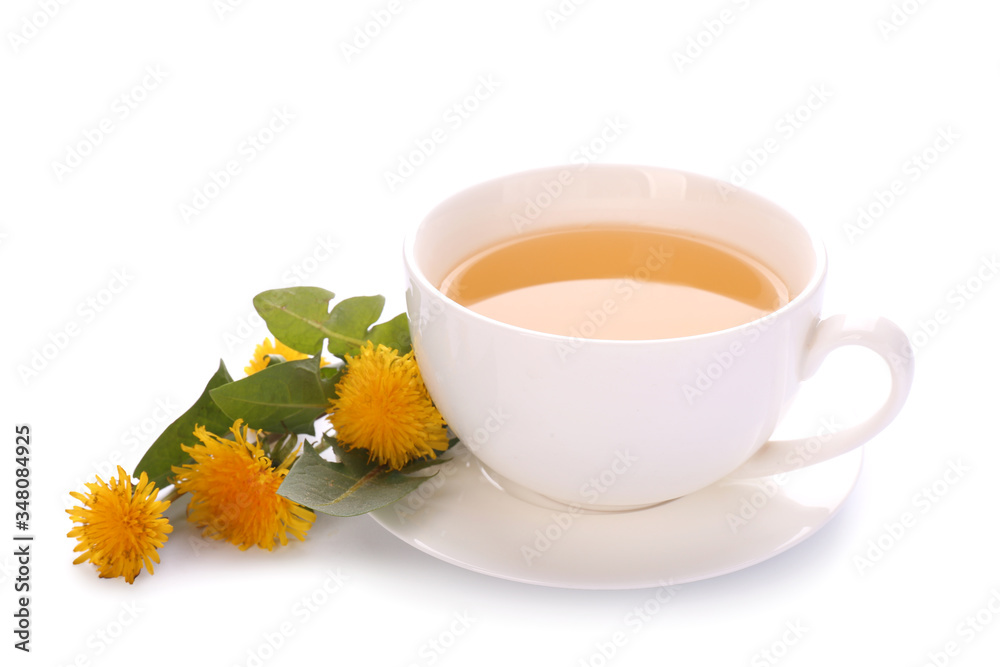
(464, 516)
(623, 424)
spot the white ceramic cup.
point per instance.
(613, 424)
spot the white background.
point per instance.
(185, 288)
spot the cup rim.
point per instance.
(814, 283)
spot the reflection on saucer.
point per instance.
(471, 517)
(527, 495)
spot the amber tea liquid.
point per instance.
(616, 283)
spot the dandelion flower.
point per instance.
(121, 526)
(267, 348)
(383, 406)
(260, 355)
(233, 489)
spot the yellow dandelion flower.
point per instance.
(233, 491)
(383, 406)
(121, 526)
(267, 348)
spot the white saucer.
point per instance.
(464, 516)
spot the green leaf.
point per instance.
(346, 488)
(394, 334)
(329, 376)
(357, 460)
(280, 446)
(296, 316)
(299, 318)
(279, 398)
(166, 450)
(350, 320)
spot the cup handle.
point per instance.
(878, 334)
